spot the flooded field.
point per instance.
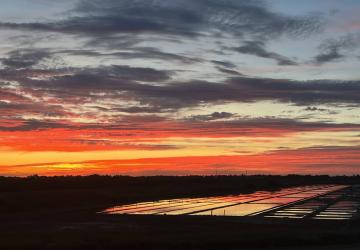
(316, 202)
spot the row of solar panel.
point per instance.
(339, 205)
(239, 205)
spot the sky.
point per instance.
(181, 87)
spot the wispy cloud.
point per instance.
(337, 49)
(173, 78)
(257, 48)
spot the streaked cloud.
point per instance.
(219, 85)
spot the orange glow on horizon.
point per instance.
(307, 161)
(174, 148)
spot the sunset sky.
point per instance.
(180, 87)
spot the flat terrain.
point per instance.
(60, 213)
(296, 202)
(167, 232)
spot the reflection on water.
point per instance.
(239, 205)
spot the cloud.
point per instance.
(157, 90)
(98, 18)
(14, 105)
(218, 124)
(118, 29)
(225, 64)
(140, 109)
(33, 125)
(229, 71)
(336, 49)
(330, 55)
(103, 79)
(133, 53)
(130, 75)
(257, 48)
(8, 96)
(26, 109)
(25, 58)
(315, 109)
(244, 89)
(133, 73)
(213, 116)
